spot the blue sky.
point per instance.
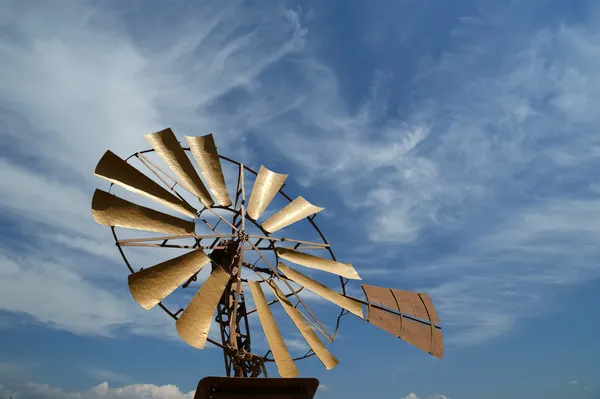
(454, 145)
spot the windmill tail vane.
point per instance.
(245, 257)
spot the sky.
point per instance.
(454, 145)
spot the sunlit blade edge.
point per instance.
(118, 171)
(350, 305)
(296, 210)
(110, 210)
(150, 286)
(165, 144)
(328, 360)
(283, 359)
(205, 153)
(266, 186)
(318, 263)
(193, 325)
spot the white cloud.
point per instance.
(94, 84)
(496, 160)
(413, 396)
(42, 391)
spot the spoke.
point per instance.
(172, 237)
(328, 335)
(243, 204)
(140, 244)
(294, 247)
(283, 239)
(143, 159)
(237, 272)
(323, 332)
(222, 218)
(276, 300)
(146, 161)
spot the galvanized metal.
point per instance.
(167, 147)
(150, 286)
(205, 153)
(293, 212)
(115, 170)
(110, 210)
(316, 262)
(266, 186)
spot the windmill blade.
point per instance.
(194, 324)
(328, 360)
(283, 360)
(116, 170)
(205, 153)
(110, 210)
(150, 286)
(349, 304)
(266, 186)
(412, 303)
(296, 210)
(315, 262)
(167, 147)
(422, 334)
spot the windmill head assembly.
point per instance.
(246, 264)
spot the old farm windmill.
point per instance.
(242, 255)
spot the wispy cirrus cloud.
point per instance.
(487, 178)
(96, 81)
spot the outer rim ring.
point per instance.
(343, 280)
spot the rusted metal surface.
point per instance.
(388, 309)
(263, 388)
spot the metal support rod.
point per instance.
(404, 315)
(327, 335)
(284, 239)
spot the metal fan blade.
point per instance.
(266, 186)
(397, 318)
(349, 304)
(315, 262)
(283, 360)
(296, 210)
(167, 147)
(328, 360)
(150, 286)
(205, 153)
(121, 173)
(110, 210)
(194, 323)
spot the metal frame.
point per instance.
(231, 311)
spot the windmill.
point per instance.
(243, 255)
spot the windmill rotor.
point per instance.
(244, 256)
